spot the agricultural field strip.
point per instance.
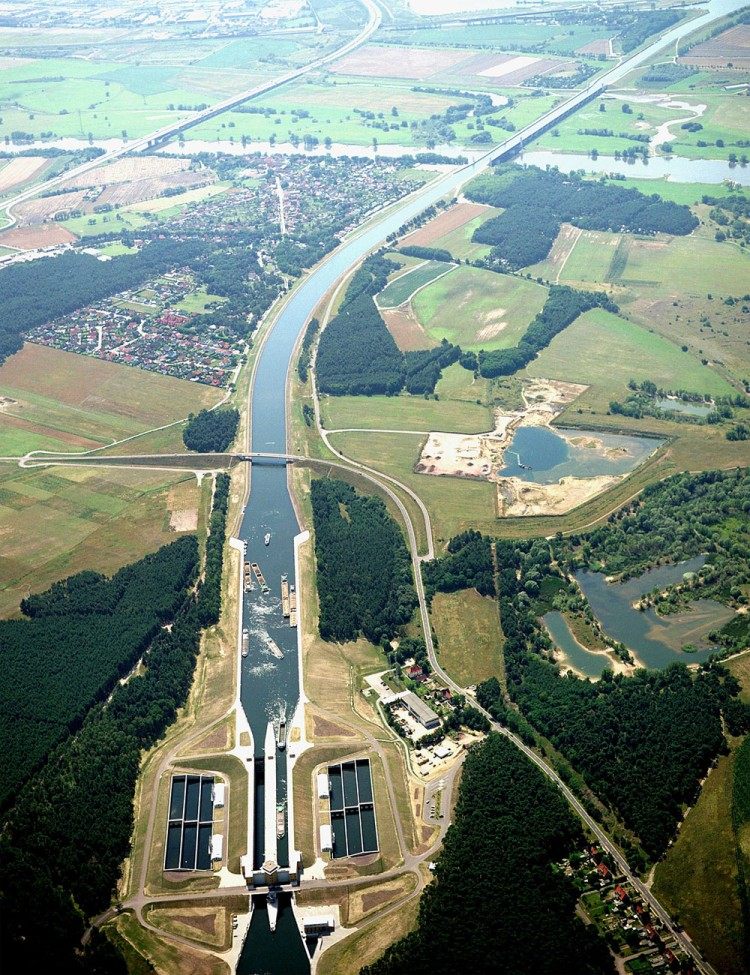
(431, 277)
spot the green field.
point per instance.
(698, 881)
(601, 349)
(405, 412)
(469, 639)
(455, 504)
(402, 287)
(644, 120)
(685, 193)
(76, 403)
(136, 87)
(198, 302)
(336, 107)
(478, 309)
(459, 241)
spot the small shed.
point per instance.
(324, 785)
(320, 924)
(326, 839)
(217, 846)
(219, 794)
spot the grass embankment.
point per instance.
(349, 956)
(470, 641)
(139, 944)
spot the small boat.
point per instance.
(273, 647)
(284, 596)
(281, 734)
(280, 821)
(267, 538)
(245, 642)
(272, 903)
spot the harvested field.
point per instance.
(34, 212)
(730, 49)
(19, 170)
(512, 69)
(119, 194)
(415, 63)
(444, 223)
(129, 170)
(407, 333)
(31, 238)
(594, 48)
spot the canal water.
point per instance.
(269, 952)
(655, 640)
(674, 168)
(544, 455)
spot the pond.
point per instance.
(656, 641)
(585, 661)
(683, 406)
(544, 455)
(675, 168)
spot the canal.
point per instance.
(269, 685)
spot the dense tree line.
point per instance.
(364, 572)
(36, 292)
(303, 362)
(646, 23)
(497, 903)
(70, 828)
(211, 431)
(357, 355)
(62, 658)
(562, 307)
(428, 253)
(468, 565)
(537, 201)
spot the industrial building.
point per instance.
(420, 711)
(324, 786)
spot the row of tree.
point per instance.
(365, 583)
(64, 839)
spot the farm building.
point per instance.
(420, 711)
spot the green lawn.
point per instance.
(198, 302)
(405, 412)
(478, 309)
(402, 287)
(604, 350)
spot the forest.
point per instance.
(497, 902)
(536, 202)
(35, 292)
(61, 659)
(211, 431)
(365, 583)
(65, 837)
(357, 355)
(468, 565)
(562, 307)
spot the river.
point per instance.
(269, 685)
(672, 168)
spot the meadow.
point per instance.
(551, 39)
(644, 120)
(405, 412)
(403, 285)
(605, 351)
(469, 639)
(67, 402)
(478, 309)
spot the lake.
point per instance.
(655, 640)
(577, 656)
(675, 169)
(544, 455)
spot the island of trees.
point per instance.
(211, 431)
(365, 582)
